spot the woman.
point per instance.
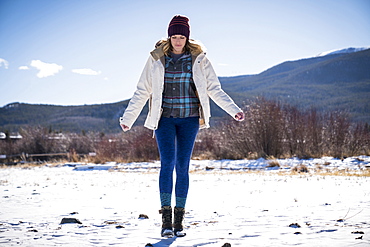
(178, 81)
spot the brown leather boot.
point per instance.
(167, 230)
(177, 223)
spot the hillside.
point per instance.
(330, 82)
(338, 81)
(100, 118)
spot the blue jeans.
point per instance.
(175, 138)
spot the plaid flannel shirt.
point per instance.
(179, 97)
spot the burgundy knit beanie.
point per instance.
(179, 25)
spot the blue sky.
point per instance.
(70, 52)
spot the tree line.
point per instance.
(271, 129)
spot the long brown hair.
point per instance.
(191, 46)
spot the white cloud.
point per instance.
(23, 68)
(86, 72)
(4, 63)
(46, 69)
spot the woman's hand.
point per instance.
(124, 127)
(239, 116)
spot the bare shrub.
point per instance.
(314, 129)
(336, 131)
(274, 129)
(358, 140)
(234, 141)
(133, 146)
(108, 149)
(293, 135)
(266, 126)
(300, 168)
(140, 145)
(273, 163)
(39, 140)
(81, 143)
(261, 133)
(209, 144)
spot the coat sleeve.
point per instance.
(215, 91)
(140, 97)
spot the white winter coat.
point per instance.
(151, 84)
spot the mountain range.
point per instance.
(336, 80)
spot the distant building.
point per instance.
(11, 137)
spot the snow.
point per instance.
(345, 50)
(353, 163)
(241, 202)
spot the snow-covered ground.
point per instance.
(242, 202)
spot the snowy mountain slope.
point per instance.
(341, 51)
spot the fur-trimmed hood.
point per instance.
(157, 53)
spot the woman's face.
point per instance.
(178, 43)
